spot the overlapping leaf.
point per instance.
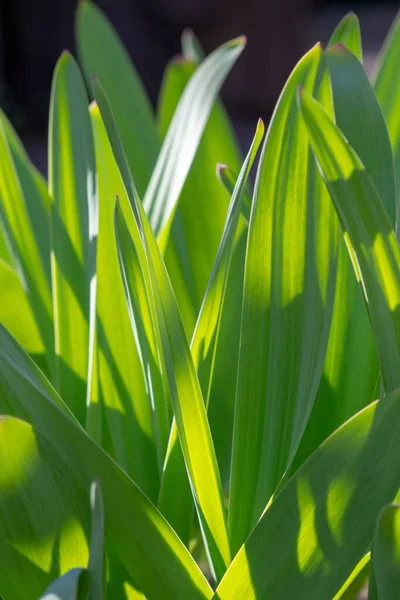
(136, 531)
(320, 525)
(103, 55)
(203, 350)
(287, 306)
(364, 219)
(73, 186)
(130, 424)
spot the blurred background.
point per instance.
(33, 33)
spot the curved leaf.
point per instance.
(184, 135)
(367, 224)
(319, 526)
(139, 535)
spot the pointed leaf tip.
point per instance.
(221, 167)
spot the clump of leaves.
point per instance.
(207, 353)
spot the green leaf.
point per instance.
(184, 388)
(68, 587)
(347, 32)
(16, 214)
(320, 526)
(384, 582)
(96, 556)
(184, 134)
(387, 90)
(102, 54)
(228, 179)
(287, 306)
(360, 119)
(367, 224)
(352, 587)
(351, 365)
(43, 514)
(191, 47)
(202, 207)
(139, 535)
(15, 312)
(73, 186)
(124, 404)
(203, 349)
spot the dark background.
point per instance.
(34, 33)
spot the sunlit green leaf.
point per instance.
(347, 32)
(124, 402)
(387, 89)
(367, 224)
(184, 135)
(103, 55)
(318, 528)
(136, 531)
(287, 306)
(73, 186)
(16, 213)
(203, 350)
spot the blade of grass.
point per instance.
(367, 224)
(287, 306)
(73, 186)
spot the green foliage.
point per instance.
(188, 384)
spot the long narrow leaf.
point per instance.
(25, 247)
(102, 54)
(367, 224)
(131, 423)
(351, 365)
(73, 186)
(203, 350)
(387, 89)
(184, 135)
(184, 388)
(287, 306)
